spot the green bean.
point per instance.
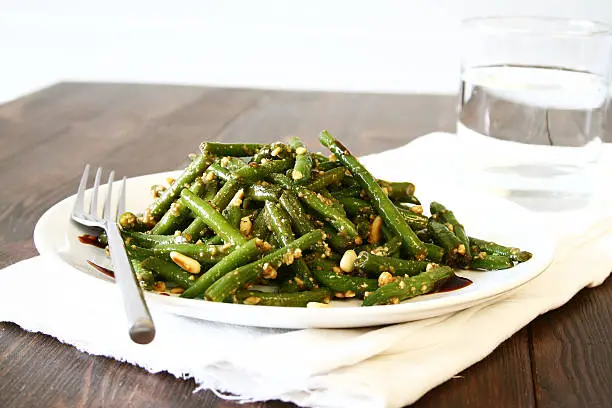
(260, 229)
(242, 255)
(204, 254)
(212, 218)
(233, 163)
(195, 168)
(406, 288)
(281, 228)
(333, 176)
(255, 172)
(375, 264)
(279, 222)
(130, 222)
(338, 242)
(492, 248)
(149, 240)
(303, 162)
(440, 212)
(323, 271)
(238, 278)
(324, 207)
(414, 220)
(168, 271)
(397, 191)
(352, 191)
(214, 240)
(299, 219)
(233, 214)
(297, 299)
(219, 171)
(143, 275)
(490, 262)
(177, 213)
(434, 252)
(380, 201)
(230, 149)
(445, 238)
(262, 191)
(196, 229)
(136, 253)
(355, 206)
(276, 150)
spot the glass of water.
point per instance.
(533, 99)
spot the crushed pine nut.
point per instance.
(175, 208)
(347, 263)
(226, 246)
(246, 225)
(385, 278)
(251, 300)
(159, 286)
(269, 272)
(417, 209)
(300, 150)
(349, 294)
(264, 161)
(375, 233)
(192, 156)
(170, 180)
(224, 161)
(297, 175)
(358, 240)
(238, 197)
(317, 305)
(177, 291)
(288, 258)
(450, 226)
(424, 287)
(339, 295)
(209, 176)
(191, 277)
(394, 300)
(401, 284)
(336, 269)
(184, 262)
(276, 151)
(430, 266)
(177, 233)
(333, 157)
(147, 218)
(461, 249)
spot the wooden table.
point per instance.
(562, 359)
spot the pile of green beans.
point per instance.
(278, 225)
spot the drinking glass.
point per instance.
(533, 99)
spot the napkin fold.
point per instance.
(366, 367)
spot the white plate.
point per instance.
(483, 217)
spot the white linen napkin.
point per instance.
(366, 367)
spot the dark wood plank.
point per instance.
(502, 379)
(572, 352)
(137, 129)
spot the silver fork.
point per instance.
(142, 330)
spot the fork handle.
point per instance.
(142, 329)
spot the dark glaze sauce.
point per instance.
(90, 240)
(454, 283)
(105, 271)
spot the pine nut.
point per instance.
(186, 263)
(347, 263)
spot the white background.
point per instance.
(380, 46)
